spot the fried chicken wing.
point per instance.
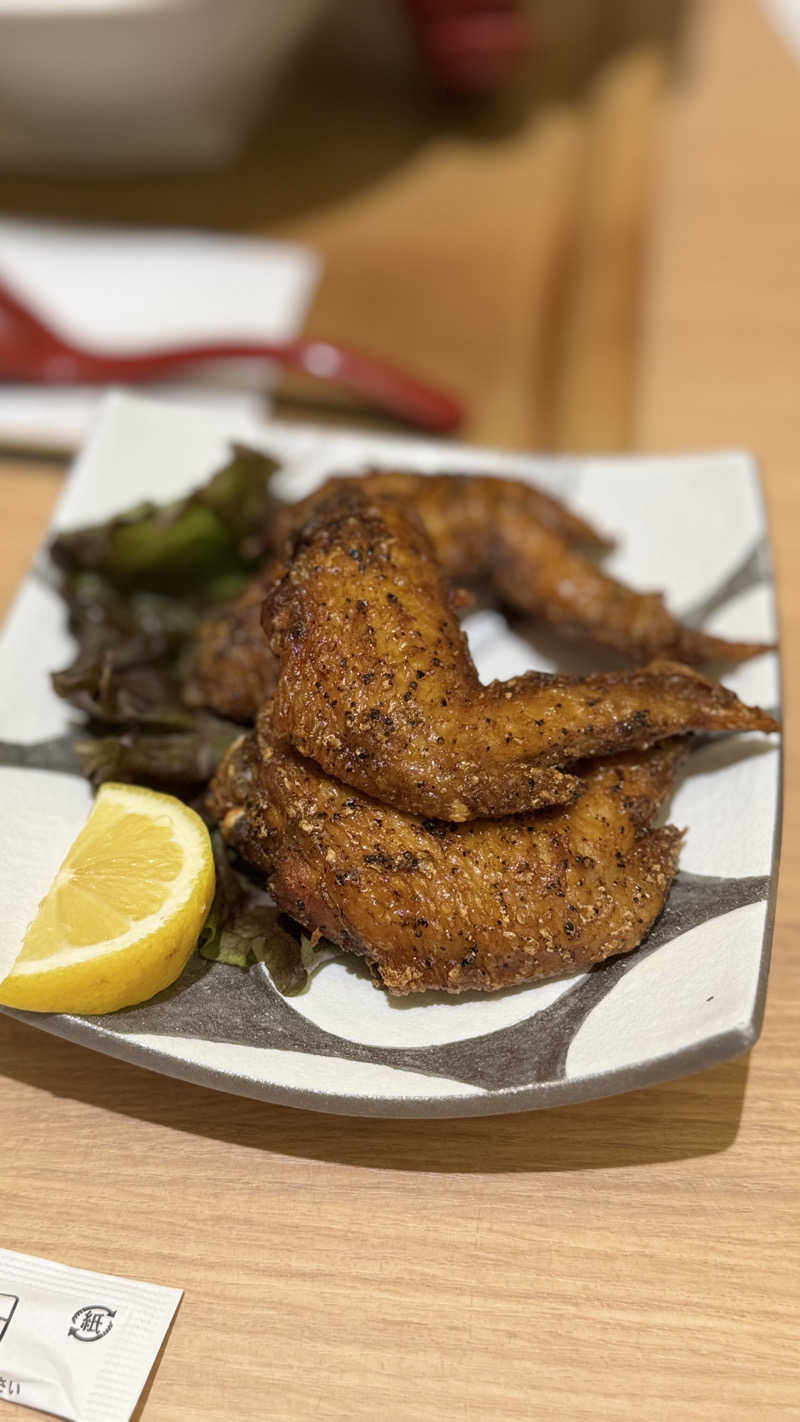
(233, 670)
(457, 510)
(456, 907)
(376, 682)
(518, 545)
(535, 574)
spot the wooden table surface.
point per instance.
(633, 1258)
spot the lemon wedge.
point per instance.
(124, 912)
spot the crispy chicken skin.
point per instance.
(376, 682)
(522, 547)
(456, 907)
(518, 545)
(233, 671)
(457, 510)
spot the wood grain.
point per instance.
(633, 1258)
(595, 394)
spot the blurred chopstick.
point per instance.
(594, 387)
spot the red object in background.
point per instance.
(470, 46)
(31, 351)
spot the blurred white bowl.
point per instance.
(139, 83)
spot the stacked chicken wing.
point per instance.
(457, 835)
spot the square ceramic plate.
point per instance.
(691, 996)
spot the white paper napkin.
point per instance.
(77, 1344)
(125, 289)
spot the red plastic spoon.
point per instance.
(31, 351)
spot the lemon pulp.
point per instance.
(124, 911)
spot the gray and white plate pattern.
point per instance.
(693, 994)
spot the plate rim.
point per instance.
(699, 1056)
